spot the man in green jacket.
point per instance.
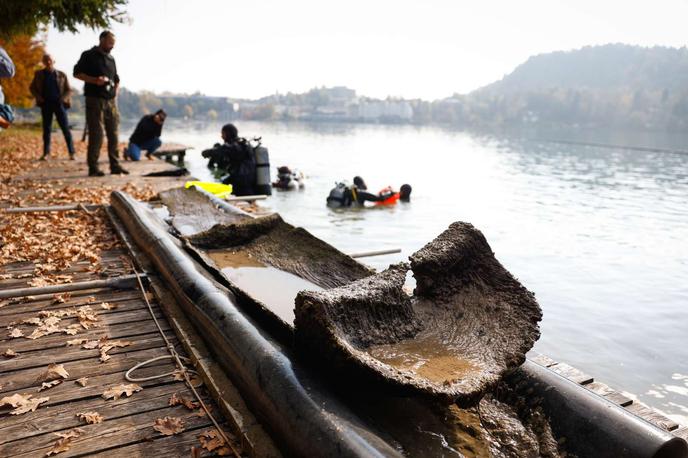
(97, 69)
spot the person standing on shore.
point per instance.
(97, 69)
(6, 71)
(51, 90)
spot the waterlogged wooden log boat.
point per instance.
(468, 323)
(525, 413)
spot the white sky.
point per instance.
(428, 49)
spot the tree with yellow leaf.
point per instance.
(26, 53)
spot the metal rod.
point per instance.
(366, 254)
(54, 208)
(125, 281)
(246, 198)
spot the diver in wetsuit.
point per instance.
(236, 157)
(357, 194)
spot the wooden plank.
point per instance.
(63, 416)
(105, 320)
(179, 445)
(115, 331)
(652, 416)
(107, 435)
(571, 373)
(681, 432)
(608, 393)
(26, 378)
(127, 305)
(76, 353)
(542, 360)
(78, 299)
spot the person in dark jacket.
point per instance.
(146, 136)
(97, 69)
(7, 70)
(236, 157)
(51, 90)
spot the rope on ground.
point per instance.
(178, 359)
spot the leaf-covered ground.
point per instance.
(52, 241)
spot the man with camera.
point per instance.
(97, 69)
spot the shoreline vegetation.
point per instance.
(613, 86)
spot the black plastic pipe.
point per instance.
(592, 425)
(303, 417)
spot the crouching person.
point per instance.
(146, 136)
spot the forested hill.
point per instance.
(600, 67)
(600, 86)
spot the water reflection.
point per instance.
(599, 234)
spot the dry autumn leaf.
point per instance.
(54, 371)
(47, 385)
(122, 389)
(76, 342)
(169, 425)
(82, 381)
(177, 399)
(63, 444)
(34, 321)
(15, 333)
(108, 306)
(90, 417)
(213, 442)
(22, 402)
(9, 353)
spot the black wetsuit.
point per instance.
(353, 195)
(238, 160)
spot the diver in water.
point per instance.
(236, 157)
(343, 195)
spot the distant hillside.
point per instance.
(610, 66)
(598, 86)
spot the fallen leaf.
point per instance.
(122, 389)
(15, 400)
(181, 400)
(104, 357)
(51, 320)
(46, 385)
(61, 298)
(9, 353)
(108, 306)
(34, 321)
(16, 332)
(90, 299)
(90, 345)
(169, 425)
(90, 417)
(213, 442)
(22, 402)
(54, 371)
(76, 342)
(63, 444)
(82, 381)
(70, 332)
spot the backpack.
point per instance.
(340, 196)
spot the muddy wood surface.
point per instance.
(468, 322)
(416, 425)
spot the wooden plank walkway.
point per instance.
(108, 315)
(631, 405)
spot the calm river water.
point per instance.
(598, 234)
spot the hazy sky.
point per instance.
(429, 49)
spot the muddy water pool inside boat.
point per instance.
(273, 287)
(426, 356)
